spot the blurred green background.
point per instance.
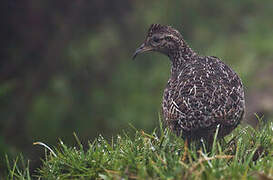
(66, 65)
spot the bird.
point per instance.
(203, 94)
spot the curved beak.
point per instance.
(141, 49)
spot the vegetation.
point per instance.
(245, 154)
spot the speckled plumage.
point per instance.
(202, 91)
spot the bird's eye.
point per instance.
(156, 39)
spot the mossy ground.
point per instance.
(247, 153)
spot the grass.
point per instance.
(245, 154)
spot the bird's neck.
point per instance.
(180, 57)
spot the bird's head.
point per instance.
(161, 38)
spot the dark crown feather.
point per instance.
(157, 28)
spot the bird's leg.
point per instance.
(186, 144)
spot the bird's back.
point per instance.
(202, 93)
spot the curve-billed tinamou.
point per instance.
(202, 92)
